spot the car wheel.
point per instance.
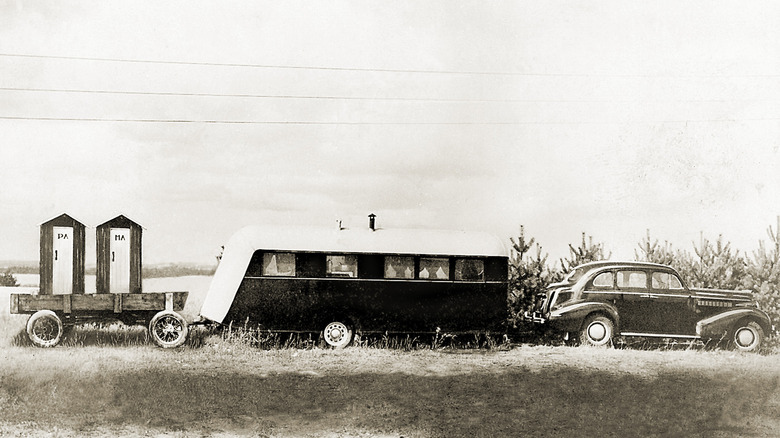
(597, 331)
(44, 328)
(747, 336)
(168, 329)
(337, 334)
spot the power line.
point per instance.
(242, 122)
(259, 96)
(265, 66)
(382, 70)
(306, 122)
(367, 98)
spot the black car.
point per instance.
(601, 300)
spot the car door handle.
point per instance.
(648, 296)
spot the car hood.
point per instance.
(741, 295)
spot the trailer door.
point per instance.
(62, 260)
(119, 272)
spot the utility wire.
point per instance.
(265, 66)
(368, 98)
(380, 70)
(304, 122)
(259, 96)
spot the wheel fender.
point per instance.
(570, 317)
(718, 325)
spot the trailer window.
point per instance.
(434, 268)
(342, 266)
(469, 270)
(279, 264)
(399, 267)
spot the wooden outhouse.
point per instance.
(62, 256)
(118, 247)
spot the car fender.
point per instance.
(718, 325)
(570, 317)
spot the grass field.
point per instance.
(231, 390)
(113, 382)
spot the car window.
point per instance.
(604, 280)
(665, 281)
(632, 279)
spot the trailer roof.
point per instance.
(364, 240)
(243, 244)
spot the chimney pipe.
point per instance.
(372, 221)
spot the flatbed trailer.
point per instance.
(52, 316)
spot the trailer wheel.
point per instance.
(337, 334)
(44, 328)
(168, 329)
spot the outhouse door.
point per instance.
(62, 260)
(120, 260)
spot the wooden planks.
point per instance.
(116, 303)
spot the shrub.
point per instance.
(529, 276)
(8, 280)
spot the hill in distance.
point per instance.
(149, 270)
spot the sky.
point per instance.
(197, 118)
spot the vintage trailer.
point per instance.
(338, 280)
(61, 302)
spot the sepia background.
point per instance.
(197, 118)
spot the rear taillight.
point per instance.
(561, 296)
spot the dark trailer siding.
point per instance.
(309, 301)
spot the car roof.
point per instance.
(610, 264)
(618, 263)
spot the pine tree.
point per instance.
(652, 252)
(713, 265)
(528, 274)
(763, 274)
(586, 252)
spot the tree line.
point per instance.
(708, 264)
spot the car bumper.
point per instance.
(553, 321)
(535, 317)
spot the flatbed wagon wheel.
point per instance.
(44, 328)
(337, 334)
(168, 329)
